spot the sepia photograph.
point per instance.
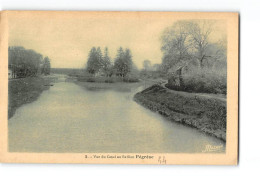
(121, 87)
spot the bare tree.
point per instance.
(199, 32)
(175, 44)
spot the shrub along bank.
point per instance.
(204, 113)
(203, 81)
(103, 79)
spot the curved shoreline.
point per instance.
(206, 115)
(25, 90)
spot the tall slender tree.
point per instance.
(200, 32)
(175, 45)
(94, 62)
(107, 65)
(119, 62)
(128, 61)
(46, 66)
(123, 62)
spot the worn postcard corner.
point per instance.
(119, 87)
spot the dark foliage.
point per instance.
(24, 63)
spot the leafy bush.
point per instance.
(151, 74)
(203, 81)
(103, 79)
(109, 80)
(130, 78)
(86, 79)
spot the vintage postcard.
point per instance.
(119, 87)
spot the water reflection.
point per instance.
(69, 118)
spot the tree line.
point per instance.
(26, 62)
(101, 64)
(195, 56)
(190, 41)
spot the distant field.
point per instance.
(67, 71)
(119, 86)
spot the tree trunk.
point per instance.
(201, 61)
(180, 77)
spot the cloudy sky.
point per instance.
(66, 38)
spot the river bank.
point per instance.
(68, 118)
(201, 112)
(25, 90)
(118, 86)
(109, 86)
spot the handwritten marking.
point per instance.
(162, 160)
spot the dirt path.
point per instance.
(215, 96)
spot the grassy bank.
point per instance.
(25, 90)
(118, 86)
(204, 113)
(104, 79)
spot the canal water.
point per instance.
(69, 118)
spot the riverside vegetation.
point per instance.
(208, 114)
(193, 62)
(27, 80)
(25, 90)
